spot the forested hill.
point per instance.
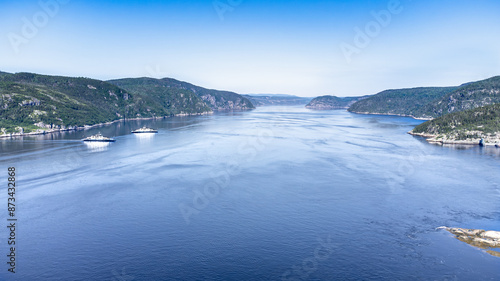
(332, 102)
(162, 96)
(30, 102)
(33, 101)
(468, 96)
(469, 125)
(431, 102)
(407, 102)
(216, 100)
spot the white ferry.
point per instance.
(99, 138)
(145, 130)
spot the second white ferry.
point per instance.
(145, 130)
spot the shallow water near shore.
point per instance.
(277, 193)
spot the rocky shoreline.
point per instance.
(325, 107)
(392, 114)
(436, 139)
(86, 127)
(480, 238)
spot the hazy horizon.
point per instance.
(307, 49)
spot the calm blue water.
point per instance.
(278, 193)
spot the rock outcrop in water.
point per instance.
(484, 239)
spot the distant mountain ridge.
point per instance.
(276, 99)
(332, 102)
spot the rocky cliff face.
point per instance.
(223, 101)
(165, 99)
(215, 99)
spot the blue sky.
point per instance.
(306, 48)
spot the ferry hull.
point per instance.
(99, 140)
(152, 132)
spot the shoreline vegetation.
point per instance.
(478, 126)
(392, 114)
(36, 104)
(437, 139)
(43, 131)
